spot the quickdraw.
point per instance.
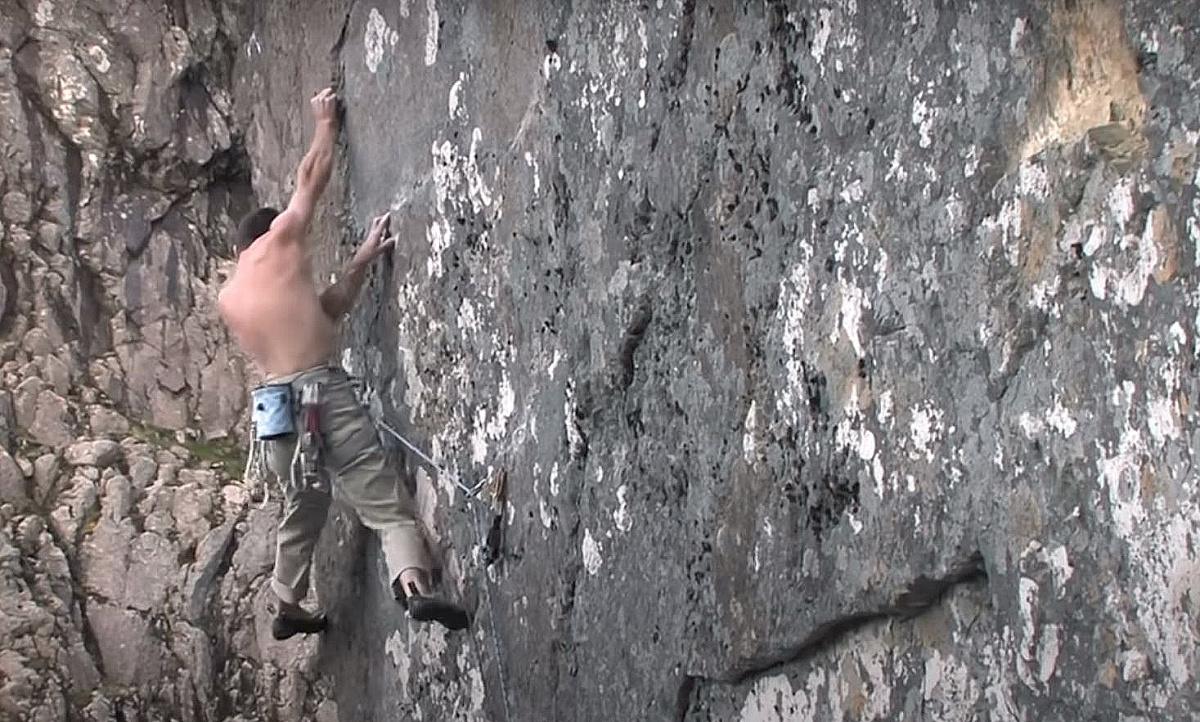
(309, 447)
(470, 491)
(307, 454)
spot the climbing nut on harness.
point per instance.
(310, 440)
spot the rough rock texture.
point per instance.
(837, 360)
(122, 167)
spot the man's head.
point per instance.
(253, 226)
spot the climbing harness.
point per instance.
(273, 418)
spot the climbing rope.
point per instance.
(255, 470)
(472, 493)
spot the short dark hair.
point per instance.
(253, 226)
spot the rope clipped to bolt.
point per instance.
(472, 492)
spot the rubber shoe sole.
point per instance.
(431, 609)
(287, 627)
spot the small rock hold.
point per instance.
(75, 508)
(1135, 666)
(12, 481)
(131, 656)
(25, 400)
(235, 497)
(57, 374)
(52, 420)
(159, 522)
(152, 561)
(192, 505)
(1118, 145)
(30, 531)
(46, 470)
(204, 574)
(1107, 675)
(142, 471)
(37, 343)
(100, 453)
(106, 422)
(172, 380)
(118, 497)
(327, 711)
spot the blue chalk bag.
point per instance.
(272, 411)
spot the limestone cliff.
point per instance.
(837, 357)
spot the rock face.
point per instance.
(836, 360)
(121, 171)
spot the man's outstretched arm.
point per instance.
(312, 175)
(339, 298)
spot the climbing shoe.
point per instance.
(287, 626)
(431, 609)
(424, 608)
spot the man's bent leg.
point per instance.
(303, 518)
(304, 512)
(372, 487)
(355, 457)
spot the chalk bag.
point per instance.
(273, 413)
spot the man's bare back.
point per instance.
(271, 303)
(272, 307)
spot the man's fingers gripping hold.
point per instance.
(379, 227)
(324, 104)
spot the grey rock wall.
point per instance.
(837, 360)
(130, 559)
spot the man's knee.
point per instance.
(308, 499)
(305, 511)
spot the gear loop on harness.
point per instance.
(309, 444)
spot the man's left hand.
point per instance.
(378, 241)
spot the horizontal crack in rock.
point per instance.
(921, 595)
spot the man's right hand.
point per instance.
(324, 106)
(312, 175)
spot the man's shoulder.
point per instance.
(284, 238)
(288, 227)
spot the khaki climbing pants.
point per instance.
(356, 470)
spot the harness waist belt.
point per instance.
(273, 403)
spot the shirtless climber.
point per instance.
(317, 437)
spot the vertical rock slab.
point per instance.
(782, 321)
